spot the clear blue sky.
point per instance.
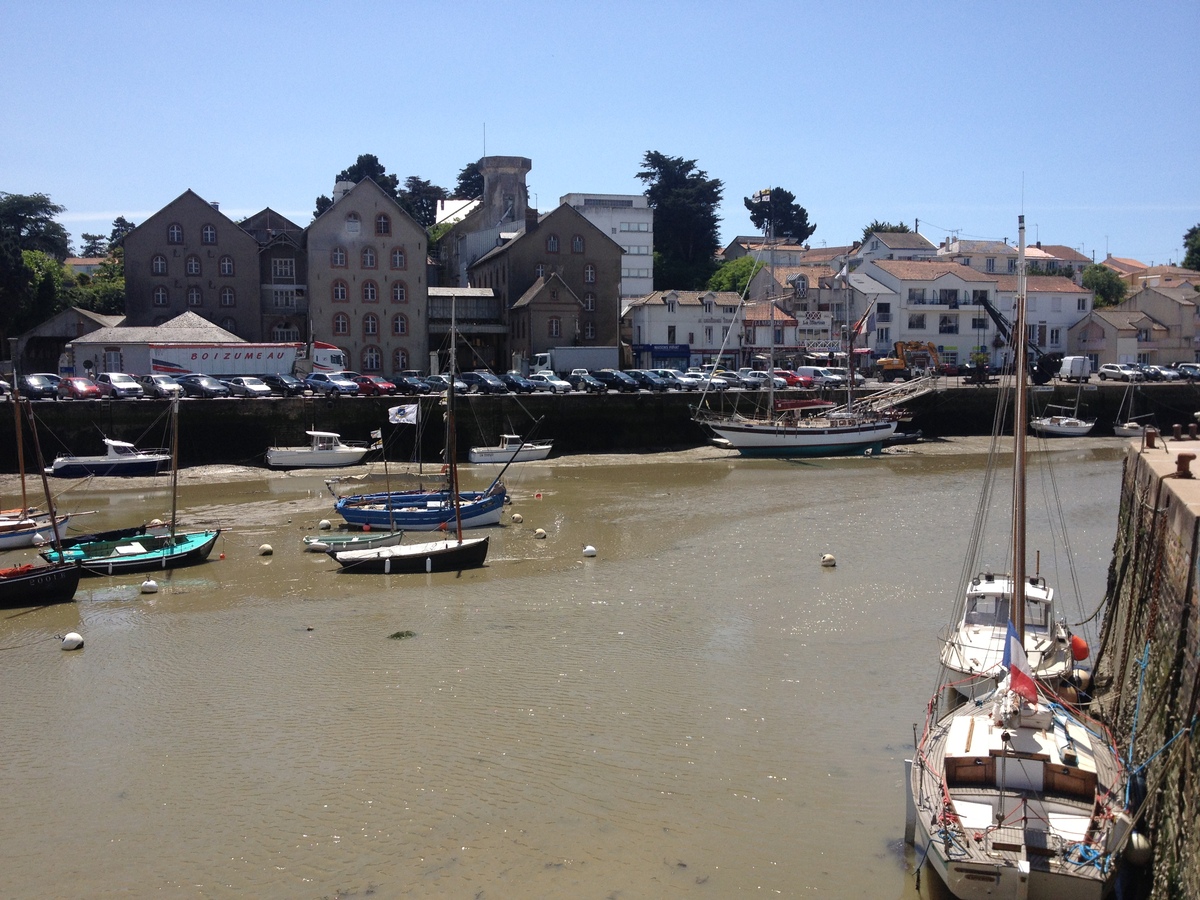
(1082, 115)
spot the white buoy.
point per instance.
(316, 546)
(149, 586)
(517, 518)
(155, 523)
(540, 533)
(38, 540)
(324, 525)
(72, 641)
(266, 550)
(589, 550)
(828, 561)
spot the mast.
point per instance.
(1017, 609)
(174, 464)
(16, 392)
(451, 437)
(37, 448)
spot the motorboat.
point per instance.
(351, 540)
(325, 450)
(511, 449)
(121, 458)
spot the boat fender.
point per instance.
(149, 586)
(317, 547)
(828, 560)
(72, 641)
(324, 525)
(517, 518)
(540, 533)
(589, 550)
(266, 550)
(38, 540)
(1138, 850)
(1079, 648)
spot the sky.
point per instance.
(1082, 116)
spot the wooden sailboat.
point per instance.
(30, 584)
(143, 548)
(446, 555)
(1017, 794)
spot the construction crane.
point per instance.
(1044, 366)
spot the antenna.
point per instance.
(485, 138)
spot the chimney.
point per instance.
(341, 189)
(531, 219)
(215, 204)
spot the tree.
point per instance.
(366, 166)
(104, 292)
(735, 274)
(93, 245)
(685, 201)
(1107, 285)
(28, 219)
(470, 182)
(121, 226)
(778, 208)
(1191, 248)
(420, 199)
(877, 227)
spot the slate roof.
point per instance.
(903, 240)
(186, 328)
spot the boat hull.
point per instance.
(105, 466)
(307, 458)
(421, 511)
(528, 453)
(137, 553)
(1061, 426)
(366, 540)
(769, 439)
(27, 586)
(432, 556)
(15, 534)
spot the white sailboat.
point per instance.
(1127, 424)
(1062, 421)
(1017, 794)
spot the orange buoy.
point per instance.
(1079, 648)
(366, 526)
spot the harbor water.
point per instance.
(699, 710)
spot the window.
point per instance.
(194, 296)
(708, 334)
(160, 296)
(337, 258)
(399, 292)
(577, 244)
(225, 266)
(947, 324)
(979, 297)
(991, 264)
(916, 295)
(228, 297)
(284, 298)
(692, 337)
(778, 335)
(671, 308)
(383, 225)
(916, 321)
(589, 301)
(1012, 266)
(285, 331)
(554, 327)
(399, 359)
(883, 312)
(341, 324)
(552, 243)
(708, 307)
(158, 265)
(174, 233)
(398, 259)
(589, 330)
(192, 266)
(208, 235)
(948, 296)
(539, 271)
(883, 337)
(979, 324)
(1056, 304)
(353, 223)
(1081, 304)
(1056, 337)
(670, 334)
(554, 294)
(370, 325)
(370, 292)
(368, 257)
(399, 325)
(283, 267)
(338, 291)
(966, 260)
(371, 359)
(589, 274)
(229, 323)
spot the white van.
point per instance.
(1075, 368)
(821, 376)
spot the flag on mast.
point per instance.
(865, 322)
(1020, 676)
(403, 415)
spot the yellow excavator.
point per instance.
(908, 356)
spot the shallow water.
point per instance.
(701, 710)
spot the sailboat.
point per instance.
(142, 548)
(1017, 794)
(1127, 424)
(1062, 421)
(26, 527)
(450, 554)
(29, 584)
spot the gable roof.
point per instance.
(930, 270)
(903, 240)
(539, 288)
(1064, 254)
(1123, 266)
(688, 298)
(546, 219)
(1040, 284)
(186, 328)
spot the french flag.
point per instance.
(1020, 676)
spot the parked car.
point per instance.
(1120, 372)
(330, 383)
(1163, 373)
(858, 376)
(197, 384)
(160, 386)
(615, 380)
(758, 378)
(682, 381)
(78, 388)
(647, 380)
(483, 382)
(711, 382)
(517, 383)
(411, 384)
(247, 386)
(734, 379)
(119, 386)
(548, 381)
(1190, 371)
(285, 385)
(37, 387)
(374, 386)
(580, 380)
(821, 376)
(441, 384)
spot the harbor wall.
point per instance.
(239, 431)
(1147, 675)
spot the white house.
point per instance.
(628, 220)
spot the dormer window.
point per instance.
(670, 306)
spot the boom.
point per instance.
(1044, 365)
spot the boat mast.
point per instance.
(16, 392)
(37, 449)
(1017, 610)
(174, 464)
(451, 437)
(764, 197)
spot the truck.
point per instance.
(561, 360)
(906, 357)
(1075, 368)
(226, 360)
